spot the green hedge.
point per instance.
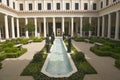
(2, 56)
(35, 66)
(81, 39)
(0, 65)
(12, 55)
(117, 63)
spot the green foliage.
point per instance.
(117, 63)
(88, 27)
(38, 57)
(81, 39)
(36, 39)
(79, 56)
(0, 65)
(11, 50)
(34, 68)
(24, 41)
(2, 56)
(30, 27)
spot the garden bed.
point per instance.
(35, 66)
(109, 48)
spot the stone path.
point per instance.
(103, 65)
(12, 68)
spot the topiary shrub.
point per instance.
(117, 63)
(105, 48)
(38, 57)
(11, 50)
(79, 56)
(2, 56)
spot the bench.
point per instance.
(18, 46)
(98, 44)
(87, 40)
(30, 41)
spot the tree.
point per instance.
(87, 28)
(30, 28)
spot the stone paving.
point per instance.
(103, 65)
(12, 68)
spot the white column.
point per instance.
(103, 25)
(81, 25)
(72, 26)
(35, 7)
(13, 27)
(63, 26)
(90, 24)
(54, 26)
(26, 22)
(35, 22)
(6, 27)
(62, 4)
(44, 19)
(98, 29)
(109, 25)
(18, 33)
(117, 26)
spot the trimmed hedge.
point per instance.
(81, 39)
(35, 66)
(12, 55)
(0, 65)
(117, 63)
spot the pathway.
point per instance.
(103, 65)
(12, 68)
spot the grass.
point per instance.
(35, 66)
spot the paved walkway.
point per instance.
(103, 65)
(12, 68)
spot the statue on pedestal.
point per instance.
(63, 35)
(69, 43)
(52, 37)
(47, 44)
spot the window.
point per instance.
(48, 6)
(76, 6)
(107, 2)
(101, 4)
(30, 6)
(7, 2)
(67, 6)
(114, 0)
(94, 6)
(58, 6)
(85, 6)
(21, 6)
(39, 6)
(13, 5)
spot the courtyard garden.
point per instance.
(109, 48)
(35, 66)
(13, 48)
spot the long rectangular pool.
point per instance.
(58, 62)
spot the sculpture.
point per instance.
(69, 43)
(47, 44)
(52, 37)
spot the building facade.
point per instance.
(59, 16)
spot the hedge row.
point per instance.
(0, 65)
(107, 53)
(12, 55)
(35, 66)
